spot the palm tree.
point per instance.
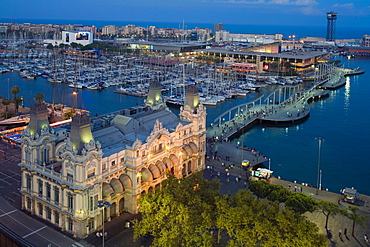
(6, 102)
(17, 101)
(39, 97)
(15, 90)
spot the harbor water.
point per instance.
(341, 120)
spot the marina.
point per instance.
(286, 165)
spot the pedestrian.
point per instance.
(345, 232)
(97, 234)
(289, 186)
(295, 188)
(340, 233)
(338, 200)
(245, 185)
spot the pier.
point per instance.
(285, 106)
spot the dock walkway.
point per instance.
(289, 112)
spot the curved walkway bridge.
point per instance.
(287, 105)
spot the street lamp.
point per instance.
(318, 166)
(102, 204)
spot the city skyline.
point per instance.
(253, 12)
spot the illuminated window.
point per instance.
(104, 166)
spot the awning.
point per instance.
(107, 190)
(193, 147)
(116, 185)
(167, 162)
(155, 171)
(174, 159)
(161, 167)
(126, 181)
(146, 175)
(188, 151)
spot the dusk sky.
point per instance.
(254, 12)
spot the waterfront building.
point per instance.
(300, 61)
(115, 158)
(330, 29)
(365, 41)
(109, 30)
(79, 37)
(222, 36)
(217, 27)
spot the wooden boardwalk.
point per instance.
(291, 111)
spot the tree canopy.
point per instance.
(180, 214)
(187, 212)
(39, 97)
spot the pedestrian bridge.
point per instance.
(286, 105)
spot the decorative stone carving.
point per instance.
(157, 126)
(90, 146)
(26, 132)
(69, 165)
(83, 151)
(44, 130)
(69, 146)
(98, 145)
(37, 136)
(137, 144)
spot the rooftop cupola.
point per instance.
(38, 118)
(192, 97)
(154, 98)
(80, 131)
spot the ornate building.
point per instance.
(68, 169)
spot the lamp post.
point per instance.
(318, 166)
(102, 204)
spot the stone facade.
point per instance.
(66, 171)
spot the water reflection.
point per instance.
(347, 94)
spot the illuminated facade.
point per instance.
(66, 171)
(79, 37)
